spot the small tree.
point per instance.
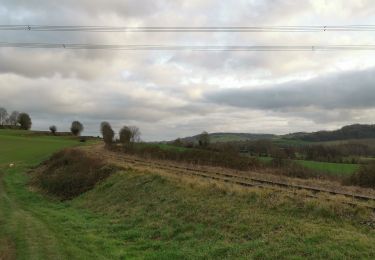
(135, 134)
(107, 133)
(125, 135)
(76, 128)
(204, 139)
(53, 129)
(25, 121)
(130, 135)
(3, 116)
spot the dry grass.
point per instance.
(151, 167)
(7, 249)
(265, 174)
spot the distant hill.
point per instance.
(230, 137)
(349, 132)
(356, 131)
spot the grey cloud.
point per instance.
(345, 90)
(94, 7)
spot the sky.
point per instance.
(170, 94)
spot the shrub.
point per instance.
(365, 177)
(70, 173)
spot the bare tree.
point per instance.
(13, 118)
(76, 128)
(135, 134)
(53, 129)
(107, 133)
(25, 121)
(3, 116)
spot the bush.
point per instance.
(365, 177)
(25, 121)
(70, 173)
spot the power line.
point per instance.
(80, 28)
(248, 48)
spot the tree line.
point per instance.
(356, 131)
(14, 119)
(127, 135)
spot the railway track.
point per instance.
(246, 181)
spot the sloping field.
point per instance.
(151, 214)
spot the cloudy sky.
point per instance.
(171, 94)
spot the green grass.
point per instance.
(166, 147)
(211, 223)
(263, 159)
(18, 146)
(135, 215)
(337, 169)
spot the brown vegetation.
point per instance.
(70, 173)
(364, 178)
(178, 168)
(198, 157)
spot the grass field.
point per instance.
(136, 215)
(163, 146)
(335, 169)
(19, 146)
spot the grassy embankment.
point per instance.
(143, 215)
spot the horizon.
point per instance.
(95, 134)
